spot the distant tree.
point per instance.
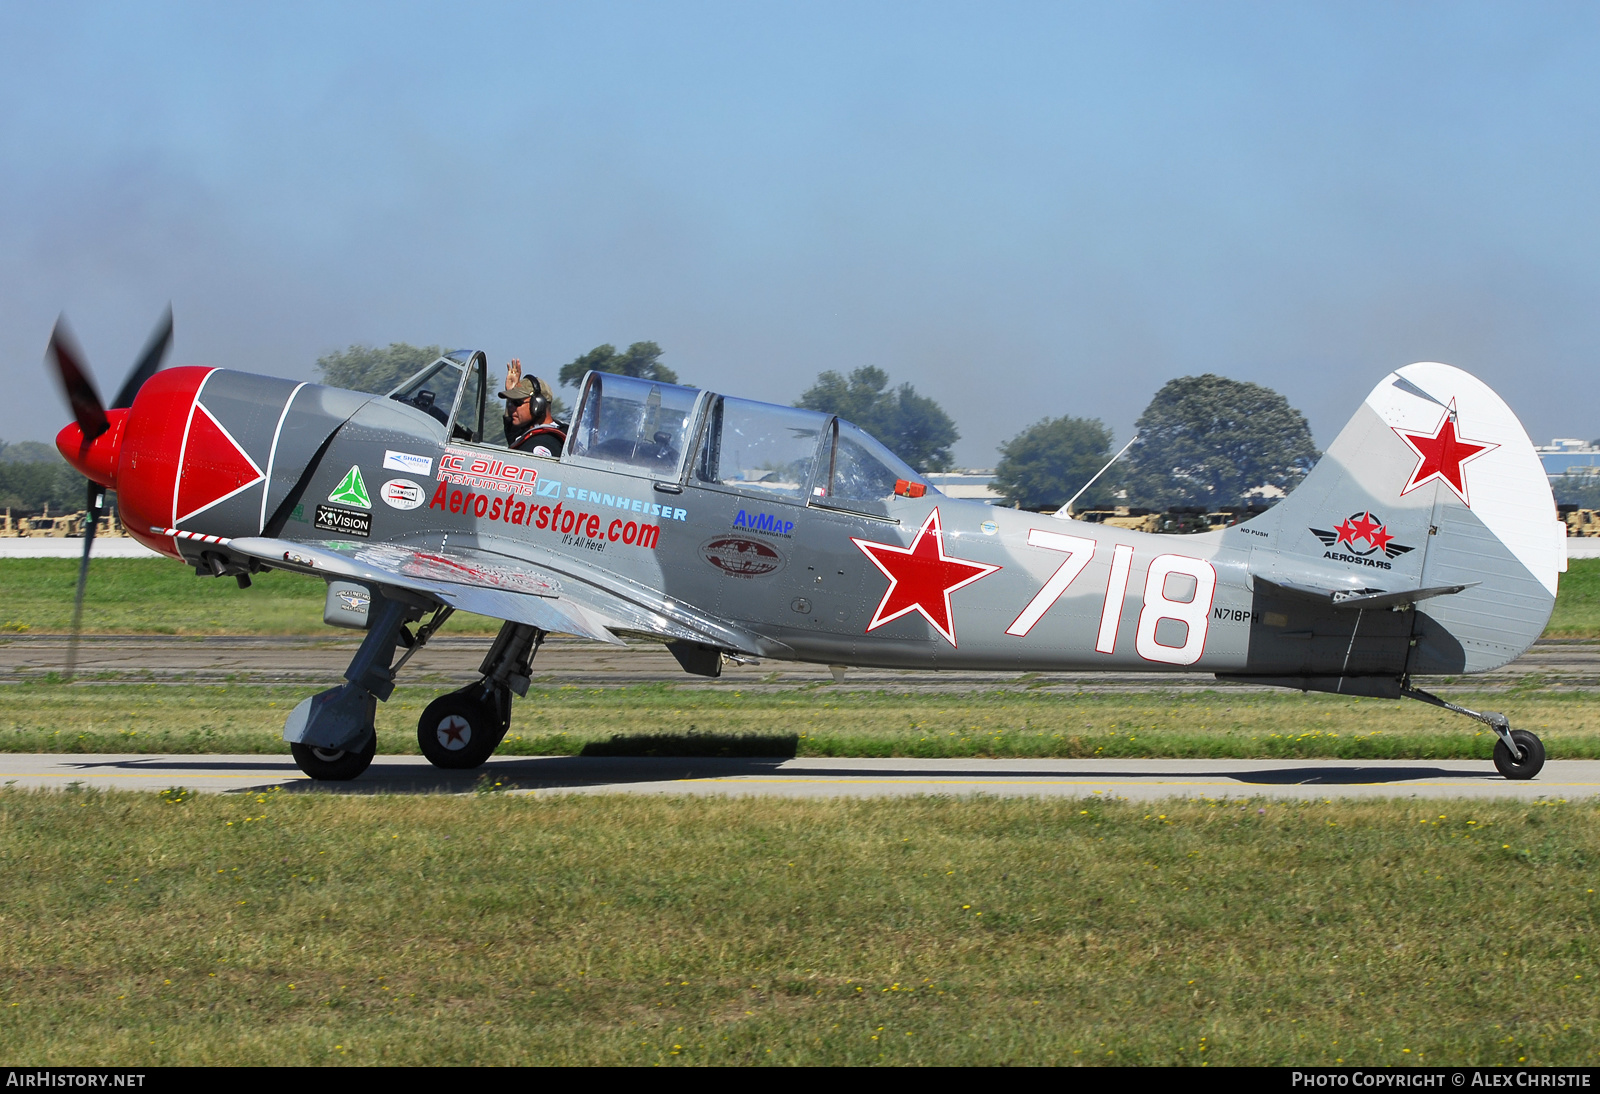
(29, 452)
(1205, 440)
(912, 426)
(33, 474)
(367, 368)
(1048, 462)
(642, 359)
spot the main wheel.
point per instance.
(461, 730)
(1532, 756)
(335, 765)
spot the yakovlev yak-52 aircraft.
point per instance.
(1424, 542)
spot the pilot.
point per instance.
(530, 427)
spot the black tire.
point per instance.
(1532, 761)
(461, 730)
(330, 765)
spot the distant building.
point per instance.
(1567, 455)
(974, 483)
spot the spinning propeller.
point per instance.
(94, 421)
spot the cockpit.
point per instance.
(678, 435)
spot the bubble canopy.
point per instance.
(677, 434)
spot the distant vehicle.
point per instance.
(1580, 522)
(1425, 542)
(61, 526)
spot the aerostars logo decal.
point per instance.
(352, 490)
(1360, 528)
(921, 578)
(1441, 454)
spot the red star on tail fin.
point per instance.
(1441, 454)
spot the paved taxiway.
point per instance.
(1136, 780)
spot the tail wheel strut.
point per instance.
(1517, 755)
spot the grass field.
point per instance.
(160, 596)
(310, 929)
(104, 717)
(157, 596)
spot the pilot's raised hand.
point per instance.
(513, 373)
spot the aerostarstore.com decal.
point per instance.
(587, 529)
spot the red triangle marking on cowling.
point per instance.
(213, 466)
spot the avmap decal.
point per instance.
(764, 522)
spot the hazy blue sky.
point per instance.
(1025, 210)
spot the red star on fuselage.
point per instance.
(1441, 454)
(921, 578)
(1347, 534)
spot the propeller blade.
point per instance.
(95, 503)
(73, 376)
(155, 351)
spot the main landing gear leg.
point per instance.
(1517, 755)
(332, 734)
(462, 729)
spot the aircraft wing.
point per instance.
(485, 582)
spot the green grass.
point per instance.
(1577, 613)
(158, 596)
(816, 721)
(316, 929)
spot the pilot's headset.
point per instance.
(539, 402)
(533, 389)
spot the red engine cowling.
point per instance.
(207, 452)
(140, 454)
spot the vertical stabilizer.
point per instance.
(1433, 502)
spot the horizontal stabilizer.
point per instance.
(1396, 599)
(1363, 598)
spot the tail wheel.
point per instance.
(460, 731)
(335, 765)
(1532, 756)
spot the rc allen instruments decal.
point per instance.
(466, 468)
(1359, 528)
